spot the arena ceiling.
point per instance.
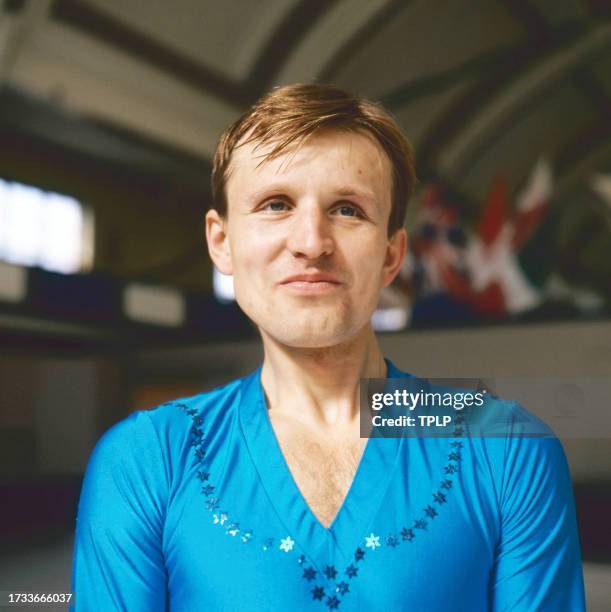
(480, 88)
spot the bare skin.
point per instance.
(322, 453)
(322, 463)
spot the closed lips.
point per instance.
(311, 278)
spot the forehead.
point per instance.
(329, 158)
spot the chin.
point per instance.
(314, 327)
(312, 336)
(308, 342)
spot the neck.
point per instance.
(320, 386)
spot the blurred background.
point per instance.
(109, 115)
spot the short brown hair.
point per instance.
(288, 115)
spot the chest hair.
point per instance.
(322, 469)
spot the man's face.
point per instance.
(319, 213)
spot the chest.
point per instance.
(213, 560)
(323, 469)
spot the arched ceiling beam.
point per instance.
(17, 25)
(105, 28)
(114, 32)
(288, 37)
(579, 157)
(530, 18)
(538, 77)
(360, 36)
(491, 87)
(437, 82)
(345, 22)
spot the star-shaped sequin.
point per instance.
(407, 534)
(301, 560)
(220, 517)
(233, 529)
(212, 503)
(286, 544)
(309, 573)
(198, 420)
(359, 554)
(268, 543)
(430, 511)
(456, 444)
(208, 489)
(352, 571)
(330, 572)
(203, 475)
(454, 456)
(450, 468)
(318, 592)
(332, 602)
(197, 432)
(372, 541)
(420, 524)
(200, 453)
(342, 587)
(439, 497)
(246, 536)
(392, 540)
(446, 484)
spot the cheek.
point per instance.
(369, 269)
(244, 247)
(254, 245)
(251, 269)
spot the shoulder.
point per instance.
(506, 443)
(526, 459)
(147, 450)
(211, 405)
(152, 435)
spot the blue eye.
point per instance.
(271, 206)
(352, 211)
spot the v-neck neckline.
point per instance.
(358, 508)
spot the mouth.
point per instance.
(312, 284)
(311, 287)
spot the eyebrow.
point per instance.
(273, 188)
(277, 189)
(350, 192)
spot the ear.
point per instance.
(395, 254)
(218, 241)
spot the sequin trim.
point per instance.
(330, 595)
(212, 502)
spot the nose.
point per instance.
(310, 234)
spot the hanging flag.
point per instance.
(532, 203)
(495, 212)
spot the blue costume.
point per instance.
(191, 506)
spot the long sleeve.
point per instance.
(538, 562)
(118, 561)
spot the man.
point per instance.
(261, 495)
